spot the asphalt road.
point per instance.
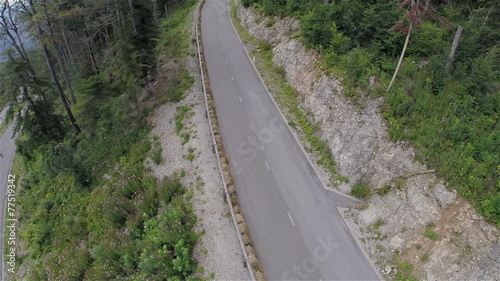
(7, 148)
(294, 223)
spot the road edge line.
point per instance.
(325, 187)
(360, 246)
(218, 146)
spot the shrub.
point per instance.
(270, 22)
(361, 191)
(404, 272)
(265, 46)
(169, 188)
(384, 190)
(378, 224)
(156, 155)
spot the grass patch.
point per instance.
(178, 85)
(156, 150)
(431, 235)
(174, 42)
(190, 155)
(182, 113)
(270, 22)
(399, 183)
(361, 191)
(384, 190)
(404, 273)
(378, 224)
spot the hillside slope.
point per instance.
(413, 220)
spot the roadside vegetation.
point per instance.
(445, 103)
(287, 97)
(89, 207)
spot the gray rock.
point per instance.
(495, 252)
(444, 196)
(396, 242)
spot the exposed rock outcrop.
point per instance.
(419, 221)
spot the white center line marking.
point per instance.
(221, 50)
(290, 217)
(218, 39)
(226, 62)
(241, 100)
(267, 165)
(251, 128)
(232, 78)
(215, 30)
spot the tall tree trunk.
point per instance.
(59, 57)
(24, 91)
(65, 74)
(52, 72)
(400, 58)
(57, 85)
(68, 48)
(132, 19)
(119, 17)
(453, 50)
(90, 50)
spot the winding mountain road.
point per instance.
(294, 223)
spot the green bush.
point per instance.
(404, 272)
(265, 46)
(384, 190)
(269, 22)
(361, 191)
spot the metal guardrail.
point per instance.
(214, 142)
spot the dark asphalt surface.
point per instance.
(294, 223)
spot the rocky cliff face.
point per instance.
(464, 246)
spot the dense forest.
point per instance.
(89, 207)
(445, 98)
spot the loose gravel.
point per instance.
(218, 251)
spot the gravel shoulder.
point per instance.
(218, 252)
